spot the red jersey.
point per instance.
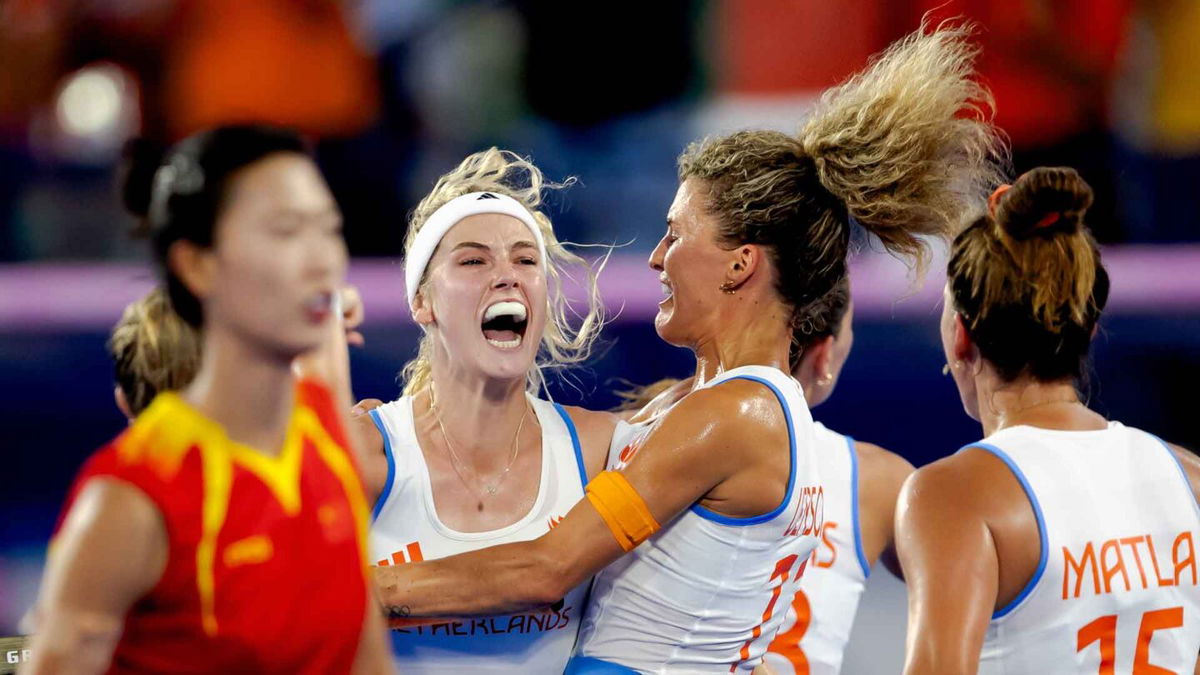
(266, 566)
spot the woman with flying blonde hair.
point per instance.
(470, 456)
(700, 531)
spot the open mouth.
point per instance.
(319, 306)
(504, 324)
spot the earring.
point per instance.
(728, 287)
(946, 368)
(825, 380)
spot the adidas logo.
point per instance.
(486, 195)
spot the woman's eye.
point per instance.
(527, 261)
(472, 261)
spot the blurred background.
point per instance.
(396, 92)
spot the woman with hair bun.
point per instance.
(225, 529)
(1062, 542)
(701, 530)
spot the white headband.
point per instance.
(447, 216)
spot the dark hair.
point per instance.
(1028, 281)
(179, 195)
(905, 148)
(819, 320)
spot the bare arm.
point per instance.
(699, 444)
(373, 656)
(595, 431)
(111, 550)
(1191, 467)
(330, 362)
(951, 568)
(369, 440)
(881, 475)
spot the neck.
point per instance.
(752, 331)
(246, 389)
(480, 414)
(1026, 401)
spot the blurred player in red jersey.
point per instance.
(224, 530)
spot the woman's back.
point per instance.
(1116, 580)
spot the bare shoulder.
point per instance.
(881, 468)
(595, 430)
(1191, 466)
(959, 483)
(113, 501)
(729, 414)
(363, 426)
(663, 401)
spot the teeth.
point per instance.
(507, 308)
(505, 344)
(665, 288)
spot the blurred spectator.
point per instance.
(1158, 105)
(609, 85)
(32, 33)
(1051, 64)
(773, 58)
(781, 47)
(286, 62)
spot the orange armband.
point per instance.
(622, 509)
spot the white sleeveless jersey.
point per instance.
(406, 529)
(708, 592)
(1115, 589)
(817, 626)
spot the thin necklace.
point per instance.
(455, 462)
(1042, 403)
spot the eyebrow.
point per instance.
(472, 244)
(485, 247)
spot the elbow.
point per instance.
(550, 581)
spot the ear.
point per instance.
(122, 403)
(195, 266)
(815, 361)
(744, 264)
(964, 347)
(422, 310)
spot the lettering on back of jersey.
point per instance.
(1127, 564)
(809, 517)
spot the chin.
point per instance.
(667, 331)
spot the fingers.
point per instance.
(353, 312)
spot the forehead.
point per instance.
(494, 229)
(283, 181)
(688, 203)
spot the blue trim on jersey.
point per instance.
(858, 545)
(1041, 525)
(1178, 464)
(391, 477)
(562, 412)
(708, 514)
(587, 665)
